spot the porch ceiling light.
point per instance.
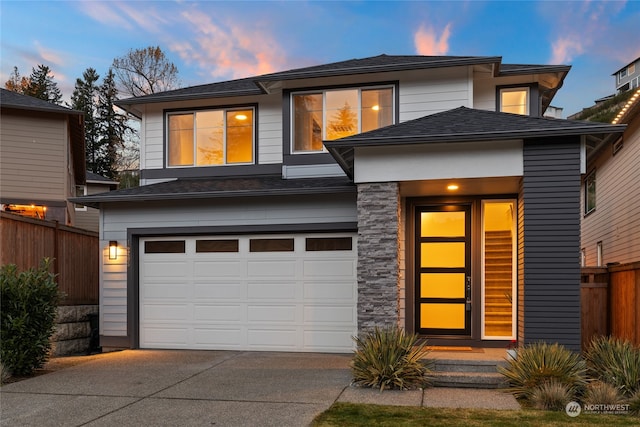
(113, 249)
(241, 116)
(452, 187)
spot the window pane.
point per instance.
(442, 316)
(442, 224)
(377, 109)
(180, 139)
(445, 255)
(328, 244)
(341, 113)
(217, 245)
(210, 137)
(514, 101)
(590, 193)
(271, 245)
(442, 285)
(240, 136)
(164, 247)
(307, 122)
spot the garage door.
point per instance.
(266, 292)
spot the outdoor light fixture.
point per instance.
(113, 249)
(452, 187)
(241, 116)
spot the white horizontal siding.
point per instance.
(432, 91)
(113, 291)
(616, 220)
(33, 164)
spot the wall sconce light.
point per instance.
(113, 249)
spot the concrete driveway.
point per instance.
(180, 388)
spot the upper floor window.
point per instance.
(333, 114)
(515, 100)
(80, 190)
(210, 137)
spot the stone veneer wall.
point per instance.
(378, 250)
(73, 330)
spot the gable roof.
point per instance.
(463, 124)
(221, 187)
(374, 64)
(11, 99)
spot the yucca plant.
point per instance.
(634, 403)
(551, 396)
(602, 393)
(616, 362)
(542, 363)
(389, 358)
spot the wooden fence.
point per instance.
(74, 253)
(610, 302)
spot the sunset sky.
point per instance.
(219, 40)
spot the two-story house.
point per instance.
(628, 77)
(293, 210)
(41, 157)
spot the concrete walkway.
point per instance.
(205, 388)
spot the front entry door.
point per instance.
(443, 270)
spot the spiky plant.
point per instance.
(634, 403)
(602, 393)
(616, 362)
(551, 396)
(542, 363)
(389, 358)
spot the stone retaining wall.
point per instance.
(73, 330)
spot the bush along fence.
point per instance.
(74, 255)
(610, 300)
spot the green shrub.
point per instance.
(29, 302)
(542, 363)
(4, 374)
(634, 403)
(390, 359)
(551, 396)
(616, 362)
(602, 393)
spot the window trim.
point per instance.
(289, 156)
(534, 106)
(224, 108)
(591, 174)
(77, 207)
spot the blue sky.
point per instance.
(219, 40)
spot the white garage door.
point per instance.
(267, 292)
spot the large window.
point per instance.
(210, 137)
(333, 114)
(515, 100)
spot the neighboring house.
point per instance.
(293, 210)
(611, 192)
(41, 157)
(628, 77)
(88, 218)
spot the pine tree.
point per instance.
(42, 86)
(113, 125)
(85, 99)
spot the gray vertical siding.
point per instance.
(551, 199)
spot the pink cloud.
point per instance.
(565, 49)
(232, 50)
(427, 42)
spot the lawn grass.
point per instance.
(349, 414)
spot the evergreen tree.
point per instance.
(113, 126)
(85, 99)
(42, 86)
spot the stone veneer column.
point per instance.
(378, 269)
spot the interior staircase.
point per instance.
(498, 283)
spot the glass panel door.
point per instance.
(443, 270)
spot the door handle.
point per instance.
(468, 294)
